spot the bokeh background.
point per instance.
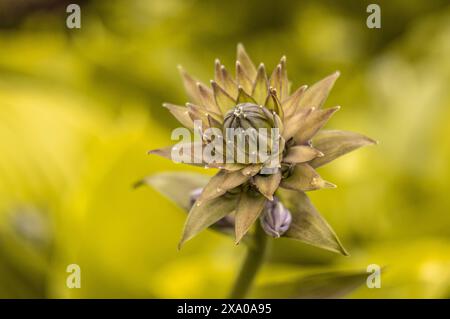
(80, 108)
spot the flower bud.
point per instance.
(248, 115)
(276, 218)
(253, 126)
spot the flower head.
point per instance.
(254, 100)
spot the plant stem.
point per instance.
(252, 262)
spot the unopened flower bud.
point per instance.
(276, 218)
(248, 115)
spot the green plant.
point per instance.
(251, 189)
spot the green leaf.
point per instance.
(224, 79)
(220, 183)
(333, 284)
(272, 103)
(290, 103)
(335, 143)
(316, 95)
(249, 208)
(223, 99)
(207, 98)
(193, 157)
(247, 64)
(190, 85)
(181, 113)
(176, 186)
(268, 184)
(197, 112)
(301, 154)
(308, 225)
(251, 169)
(204, 215)
(304, 178)
(294, 122)
(243, 79)
(313, 123)
(279, 80)
(261, 86)
(243, 97)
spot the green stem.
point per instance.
(253, 261)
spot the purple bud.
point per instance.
(276, 218)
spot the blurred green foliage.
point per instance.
(80, 108)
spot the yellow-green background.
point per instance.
(79, 109)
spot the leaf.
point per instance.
(207, 98)
(304, 178)
(243, 97)
(260, 87)
(223, 100)
(199, 113)
(313, 123)
(229, 85)
(251, 170)
(231, 167)
(181, 113)
(176, 186)
(221, 183)
(316, 95)
(284, 80)
(247, 64)
(279, 80)
(213, 122)
(196, 157)
(308, 225)
(242, 78)
(218, 77)
(301, 154)
(332, 284)
(294, 122)
(272, 103)
(190, 85)
(268, 184)
(204, 215)
(335, 143)
(290, 104)
(249, 208)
